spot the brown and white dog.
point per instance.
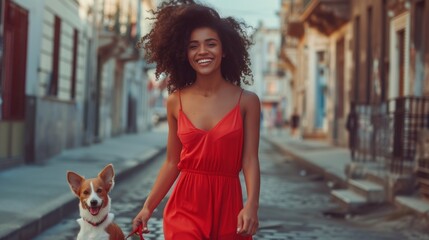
(96, 221)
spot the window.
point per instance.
(355, 87)
(369, 56)
(74, 64)
(53, 84)
(399, 82)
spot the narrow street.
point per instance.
(292, 203)
(342, 88)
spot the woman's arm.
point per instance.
(248, 217)
(168, 172)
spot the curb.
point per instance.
(67, 203)
(327, 176)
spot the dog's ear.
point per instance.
(75, 181)
(108, 177)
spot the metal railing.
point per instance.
(422, 162)
(388, 132)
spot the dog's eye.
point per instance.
(85, 192)
(99, 190)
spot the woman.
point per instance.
(213, 125)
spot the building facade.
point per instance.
(270, 82)
(70, 75)
(315, 52)
(43, 78)
(375, 57)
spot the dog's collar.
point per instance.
(97, 223)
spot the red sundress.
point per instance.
(207, 197)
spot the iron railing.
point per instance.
(422, 162)
(388, 131)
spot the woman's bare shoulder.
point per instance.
(250, 99)
(173, 103)
(173, 98)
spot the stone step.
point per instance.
(416, 204)
(372, 192)
(376, 177)
(348, 199)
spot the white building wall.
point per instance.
(310, 84)
(106, 100)
(135, 85)
(143, 111)
(270, 87)
(132, 87)
(81, 65)
(145, 21)
(46, 54)
(143, 116)
(57, 124)
(65, 64)
(346, 33)
(300, 86)
(68, 11)
(256, 59)
(40, 46)
(292, 103)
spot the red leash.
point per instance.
(138, 231)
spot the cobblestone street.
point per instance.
(291, 207)
(335, 91)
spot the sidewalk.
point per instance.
(33, 197)
(317, 155)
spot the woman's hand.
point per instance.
(141, 219)
(248, 223)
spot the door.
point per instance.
(399, 81)
(339, 89)
(13, 81)
(320, 90)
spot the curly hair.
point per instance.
(166, 43)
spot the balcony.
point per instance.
(326, 15)
(295, 29)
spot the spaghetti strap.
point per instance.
(180, 101)
(240, 96)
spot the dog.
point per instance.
(96, 222)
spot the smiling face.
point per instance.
(93, 193)
(205, 51)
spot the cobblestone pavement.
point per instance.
(291, 206)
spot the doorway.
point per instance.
(12, 88)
